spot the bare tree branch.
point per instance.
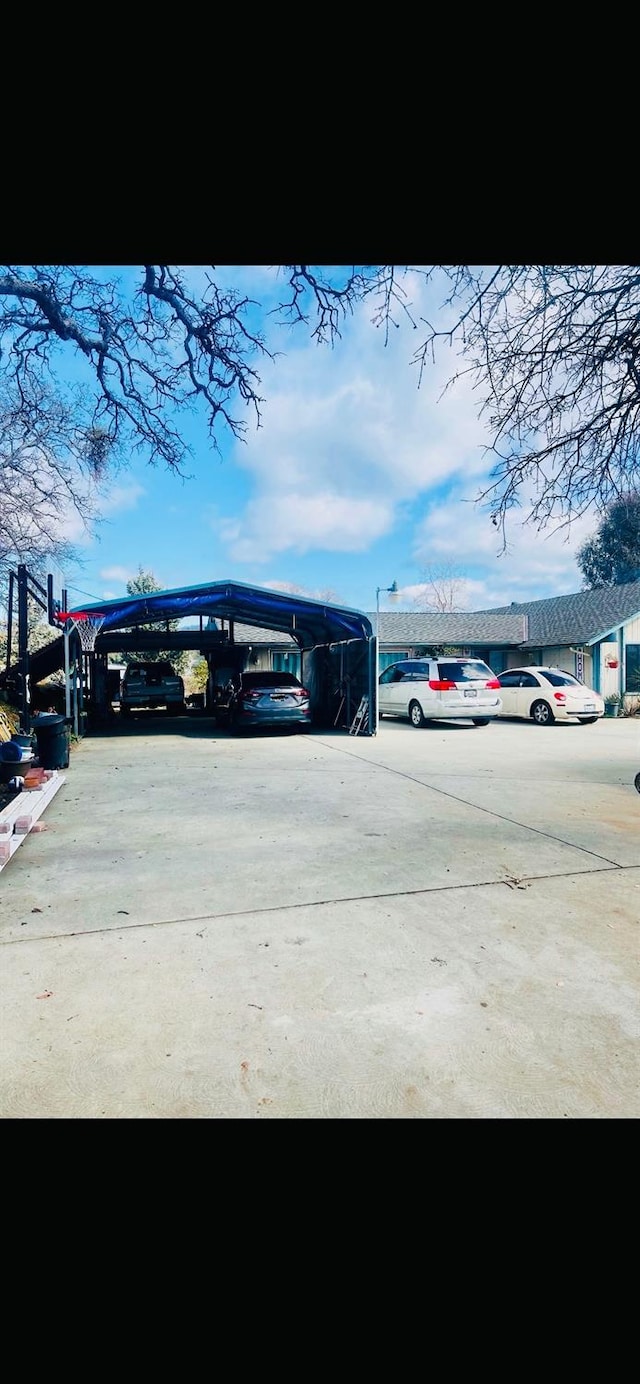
(552, 350)
(555, 352)
(50, 480)
(150, 361)
(443, 588)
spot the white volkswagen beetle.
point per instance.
(545, 695)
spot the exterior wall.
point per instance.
(559, 657)
(630, 635)
(387, 656)
(631, 631)
(610, 678)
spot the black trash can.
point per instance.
(52, 738)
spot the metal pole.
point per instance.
(82, 665)
(373, 691)
(67, 673)
(393, 589)
(75, 684)
(12, 578)
(23, 647)
(376, 660)
(67, 670)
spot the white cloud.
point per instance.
(535, 564)
(122, 574)
(347, 438)
(276, 523)
(291, 589)
(121, 497)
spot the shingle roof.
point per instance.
(411, 627)
(578, 618)
(251, 634)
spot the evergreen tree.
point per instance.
(611, 556)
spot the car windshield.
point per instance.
(269, 680)
(559, 679)
(150, 670)
(464, 670)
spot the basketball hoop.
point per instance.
(87, 627)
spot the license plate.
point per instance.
(470, 692)
(589, 706)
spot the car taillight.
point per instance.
(300, 692)
(493, 682)
(249, 696)
(443, 686)
(560, 696)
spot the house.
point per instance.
(593, 634)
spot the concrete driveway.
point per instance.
(433, 924)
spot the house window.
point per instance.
(632, 668)
(286, 661)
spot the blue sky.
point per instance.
(356, 478)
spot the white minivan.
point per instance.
(443, 689)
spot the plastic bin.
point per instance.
(10, 752)
(52, 738)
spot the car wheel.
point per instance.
(637, 782)
(481, 720)
(542, 714)
(416, 714)
(587, 720)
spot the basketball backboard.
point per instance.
(56, 587)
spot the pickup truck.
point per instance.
(151, 685)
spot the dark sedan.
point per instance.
(265, 699)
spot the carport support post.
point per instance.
(23, 647)
(77, 669)
(373, 684)
(67, 670)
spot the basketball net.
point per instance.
(87, 627)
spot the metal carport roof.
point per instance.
(309, 622)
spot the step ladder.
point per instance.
(361, 718)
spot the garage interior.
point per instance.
(337, 646)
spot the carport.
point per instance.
(337, 644)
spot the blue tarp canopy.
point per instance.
(309, 622)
